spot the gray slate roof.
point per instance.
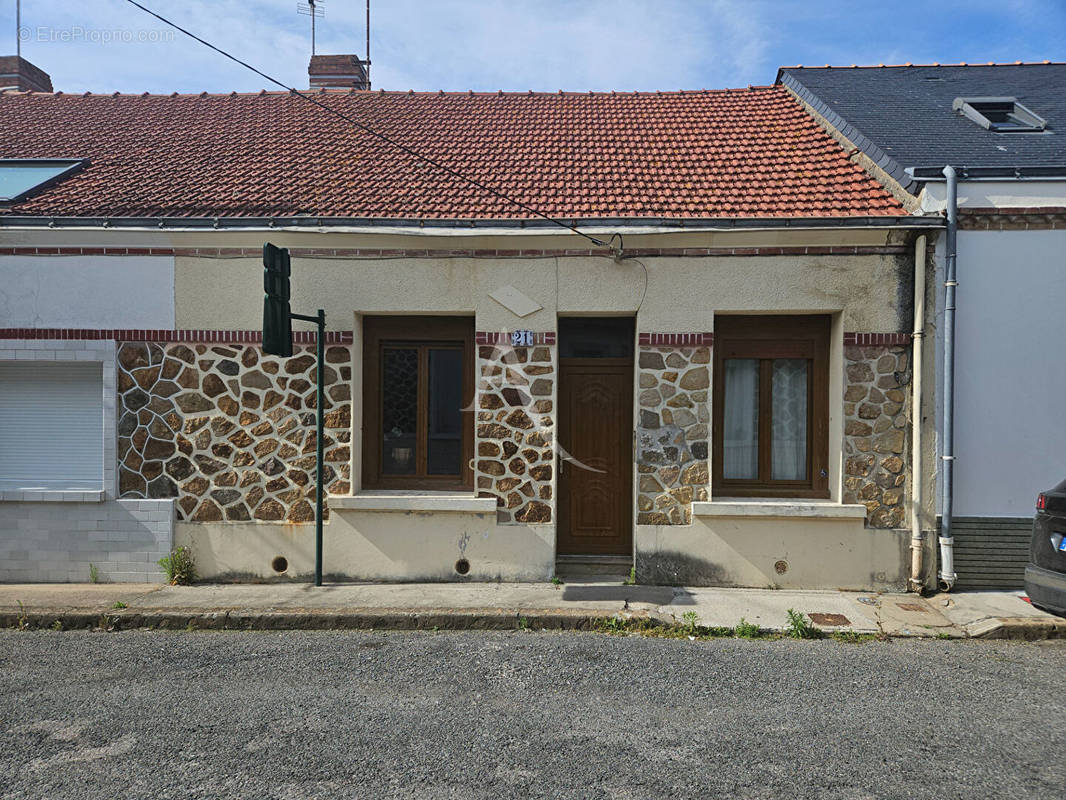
(902, 117)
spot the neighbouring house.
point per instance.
(1000, 127)
(708, 379)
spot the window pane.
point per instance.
(399, 411)
(445, 451)
(596, 337)
(17, 177)
(740, 440)
(790, 419)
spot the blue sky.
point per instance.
(92, 45)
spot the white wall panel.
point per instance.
(1010, 376)
(87, 292)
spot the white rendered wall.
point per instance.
(1010, 382)
(996, 194)
(87, 292)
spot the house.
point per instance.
(661, 331)
(1000, 128)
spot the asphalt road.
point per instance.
(500, 715)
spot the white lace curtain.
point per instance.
(740, 442)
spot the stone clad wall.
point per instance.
(515, 437)
(229, 431)
(673, 432)
(877, 419)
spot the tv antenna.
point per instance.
(312, 9)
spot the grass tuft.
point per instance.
(799, 627)
(178, 566)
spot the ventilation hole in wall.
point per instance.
(462, 566)
(279, 564)
(781, 567)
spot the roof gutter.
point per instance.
(467, 227)
(1052, 172)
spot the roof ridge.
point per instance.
(413, 93)
(933, 64)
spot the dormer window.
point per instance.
(23, 177)
(999, 114)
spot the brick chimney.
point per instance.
(19, 74)
(337, 72)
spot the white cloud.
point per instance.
(417, 44)
(526, 44)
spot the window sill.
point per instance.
(778, 508)
(417, 500)
(52, 495)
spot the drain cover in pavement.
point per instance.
(829, 619)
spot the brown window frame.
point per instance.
(766, 338)
(424, 333)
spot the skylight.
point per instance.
(999, 114)
(22, 177)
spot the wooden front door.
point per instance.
(595, 431)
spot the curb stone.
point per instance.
(302, 619)
(1019, 628)
(428, 619)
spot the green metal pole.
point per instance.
(319, 453)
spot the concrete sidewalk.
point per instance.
(575, 606)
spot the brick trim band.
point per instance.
(1002, 211)
(884, 339)
(377, 252)
(141, 335)
(504, 337)
(677, 339)
(1012, 219)
(345, 337)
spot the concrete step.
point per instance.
(606, 569)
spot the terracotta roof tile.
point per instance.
(731, 153)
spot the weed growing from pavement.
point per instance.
(799, 627)
(631, 579)
(747, 630)
(851, 637)
(613, 625)
(688, 628)
(690, 622)
(523, 623)
(23, 623)
(119, 604)
(94, 573)
(179, 567)
(57, 625)
(556, 580)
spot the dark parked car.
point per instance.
(1045, 577)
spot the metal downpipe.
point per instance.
(947, 542)
(917, 579)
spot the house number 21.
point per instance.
(521, 338)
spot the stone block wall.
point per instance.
(877, 419)
(673, 431)
(515, 432)
(229, 431)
